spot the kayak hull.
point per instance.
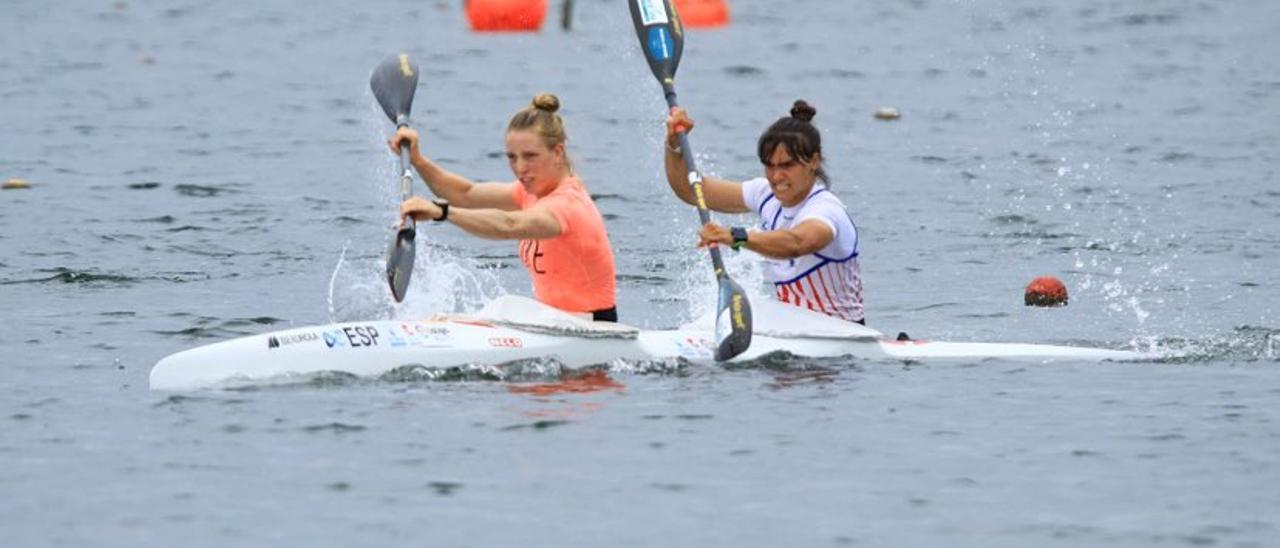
(370, 349)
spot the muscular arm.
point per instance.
(530, 224)
(461, 191)
(720, 194)
(805, 238)
(535, 223)
(458, 190)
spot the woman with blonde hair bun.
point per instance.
(563, 242)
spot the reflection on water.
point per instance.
(561, 400)
(575, 383)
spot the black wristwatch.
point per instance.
(739, 237)
(444, 209)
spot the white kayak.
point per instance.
(512, 329)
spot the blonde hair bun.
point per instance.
(547, 102)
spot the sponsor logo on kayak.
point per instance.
(422, 330)
(506, 342)
(395, 340)
(424, 335)
(276, 341)
(690, 347)
(364, 335)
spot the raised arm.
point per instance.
(720, 194)
(458, 190)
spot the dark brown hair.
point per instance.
(798, 135)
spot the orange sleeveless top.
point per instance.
(573, 271)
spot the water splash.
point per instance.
(1243, 344)
(446, 281)
(357, 289)
(669, 366)
(443, 281)
(1119, 298)
(696, 283)
(333, 279)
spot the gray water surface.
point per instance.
(202, 171)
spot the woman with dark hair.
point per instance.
(563, 242)
(804, 232)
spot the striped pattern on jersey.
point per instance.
(832, 286)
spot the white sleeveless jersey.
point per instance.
(829, 281)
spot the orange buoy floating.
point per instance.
(506, 15)
(703, 13)
(1046, 291)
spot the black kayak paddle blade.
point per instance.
(394, 82)
(733, 320)
(400, 260)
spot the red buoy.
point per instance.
(506, 15)
(1046, 291)
(703, 13)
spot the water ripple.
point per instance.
(745, 71)
(66, 275)
(201, 191)
(216, 328)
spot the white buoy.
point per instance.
(13, 184)
(887, 113)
